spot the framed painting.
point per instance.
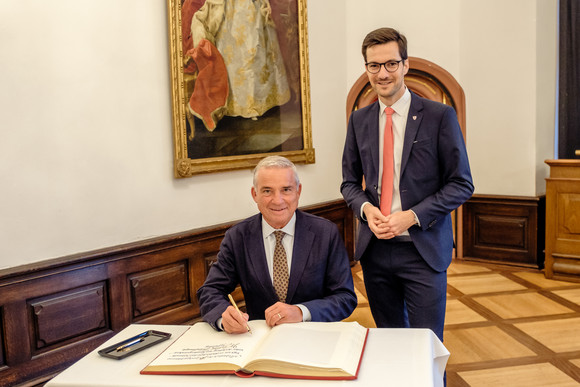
(240, 86)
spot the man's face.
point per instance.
(277, 195)
(388, 86)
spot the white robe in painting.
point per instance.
(244, 33)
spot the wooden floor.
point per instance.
(504, 326)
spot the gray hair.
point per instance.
(275, 162)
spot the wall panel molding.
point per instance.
(54, 312)
(86, 309)
(505, 229)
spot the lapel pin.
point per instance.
(414, 118)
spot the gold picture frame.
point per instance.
(208, 134)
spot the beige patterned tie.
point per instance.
(280, 267)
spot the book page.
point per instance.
(314, 344)
(201, 344)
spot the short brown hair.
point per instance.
(385, 35)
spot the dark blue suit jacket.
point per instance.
(320, 276)
(435, 174)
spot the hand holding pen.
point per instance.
(233, 320)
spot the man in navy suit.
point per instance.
(320, 286)
(404, 245)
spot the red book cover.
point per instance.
(309, 350)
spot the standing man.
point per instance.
(292, 266)
(412, 156)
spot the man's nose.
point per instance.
(383, 73)
(277, 196)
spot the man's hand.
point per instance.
(377, 222)
(232, 322)
(387, 227)
(399, 222)
(281, 313)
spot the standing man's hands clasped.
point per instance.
(281, 313)
(387, 227)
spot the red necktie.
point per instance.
(387, 179)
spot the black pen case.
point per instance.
(134, 344)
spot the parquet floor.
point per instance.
(505, 326)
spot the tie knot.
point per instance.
(279, 235)
(389, 111)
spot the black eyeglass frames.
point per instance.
(391, 66)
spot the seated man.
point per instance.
(301, 275)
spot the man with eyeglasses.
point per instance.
(412, 155)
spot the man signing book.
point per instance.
(291, 266)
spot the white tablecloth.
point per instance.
(392, 357)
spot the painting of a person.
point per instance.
(232, 48)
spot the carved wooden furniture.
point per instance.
(563, 220)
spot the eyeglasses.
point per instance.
(391, 66)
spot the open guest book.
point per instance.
(308, 350)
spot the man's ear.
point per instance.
(254, 194)
(406, 67)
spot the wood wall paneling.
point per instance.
(504, 229)
(2, 359)
(159, 289)
(54, 312)
(86, 311)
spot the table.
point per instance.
(392, 357)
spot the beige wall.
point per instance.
(85, 125)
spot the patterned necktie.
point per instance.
(387, 178)
(280, 267)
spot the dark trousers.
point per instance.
(403, 290)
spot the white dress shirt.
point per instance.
(399, 118)
(401, 108)
(288, 243)
(269, 245)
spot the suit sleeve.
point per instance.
(221, 280)
(339, 299)
(455, 185)
(352, 172)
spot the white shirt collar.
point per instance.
(290, 227)
(401, 106)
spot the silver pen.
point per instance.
(129, 344)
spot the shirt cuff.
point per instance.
(416, 218)
(306, 316)
(362, 213)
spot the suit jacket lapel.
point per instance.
(373, 137)
(257, 257)
(413, 121)
(303, 239)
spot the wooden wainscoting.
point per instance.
(505, 229)
(54, 312)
